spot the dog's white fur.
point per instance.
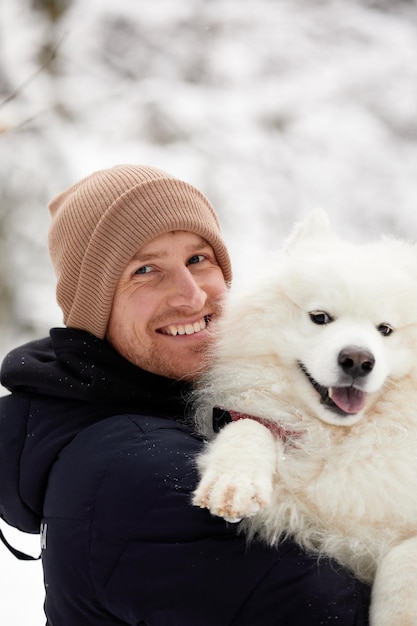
(342, 484)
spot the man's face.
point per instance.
(165, 297)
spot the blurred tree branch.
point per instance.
(50, 57)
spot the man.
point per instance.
(95, 447)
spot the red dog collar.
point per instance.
(222, 416)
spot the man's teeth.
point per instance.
(186, 329)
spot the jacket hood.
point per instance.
(75, 365)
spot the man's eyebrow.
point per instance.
(162, 253)
(143, 258)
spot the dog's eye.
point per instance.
(320, 317)
(385, 329)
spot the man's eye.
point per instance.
(145, 269)
(197, 258)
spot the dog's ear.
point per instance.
(316, 226)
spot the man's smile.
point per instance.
(185, 329)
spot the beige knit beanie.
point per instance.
(99, 223)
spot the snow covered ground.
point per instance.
(270, 107)
(21, 583)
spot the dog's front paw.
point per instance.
(237, 471)
(233, 496)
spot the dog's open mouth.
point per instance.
(341, 400)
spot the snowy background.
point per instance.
(270, 107)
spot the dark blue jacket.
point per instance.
(97, 451)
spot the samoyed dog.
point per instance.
(315, 377)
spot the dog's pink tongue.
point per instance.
(348, 399)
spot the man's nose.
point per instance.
(186, 291)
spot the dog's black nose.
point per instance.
(356, 361)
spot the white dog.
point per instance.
(316, 365)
